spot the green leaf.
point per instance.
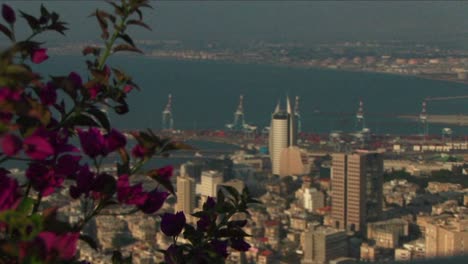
(232, 191)
(90, 241)
(101, 117)
(82, 120)
(6, 31)
(138, 23)
(32, 21)
(26, 205)
(125, 47)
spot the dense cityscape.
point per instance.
(336, 199)
(320, 184)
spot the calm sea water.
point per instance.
(205, 95)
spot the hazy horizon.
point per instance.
(301, 21)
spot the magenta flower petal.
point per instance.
(48, 94)
(67, 166)
(138, 151)
(43, 178)
(62, 246)
(127, 88)
(165, 172)
(10, 193)
(131, 195)
(172, 224)
(94, 91)
(154, 202)
(92, 142)
(75, 78)
(11, 144)
(39, 55)
(8, 14)
(115, 140)
(37, 147)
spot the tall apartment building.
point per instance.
(185, 195)
(282, 134)
(321, 244)
(209, 183)
(356, 182)
(447, 237)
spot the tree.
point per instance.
(39, 117)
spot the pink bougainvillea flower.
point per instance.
(127, 88)
(138, 151)
(9, 95)
(92, 142)
(8, 14)
(43, 178)
(5, 117)
(37, 147)
(154, 201)
(11, 144)
(10, 194)
(39, 55)
(165, 172)
(115, 140)
(172, 224)
(48, 94)
(94, 91)
(131, 195)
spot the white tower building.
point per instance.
(282, 134)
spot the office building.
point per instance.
(185, 195)
(321, 244)
(356, 182)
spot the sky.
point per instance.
(302, 21)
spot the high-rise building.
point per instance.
(209, 183)
(356, 182)
(313, 199)
(321, 244)
(282, 134)
(448, 237)
(192, 170)
(185, 195)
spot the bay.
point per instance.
(206, 94)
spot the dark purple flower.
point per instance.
(132, 195)
(5, 117)
(8, 14)
(10, 194)
(139, 151)
(173, 255)
(172, 224)
(43, 178)
(165, 173)
(115, 140)
(104, 186)
(39, 55)
(84, 183)
(204, 223)
(48, 94)
(220, 247)
(209, 204)
(75, 78)
(11, 144)
(67, 166)
(154, 201)
(239, 244)
(37, 147)
(92, 142)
